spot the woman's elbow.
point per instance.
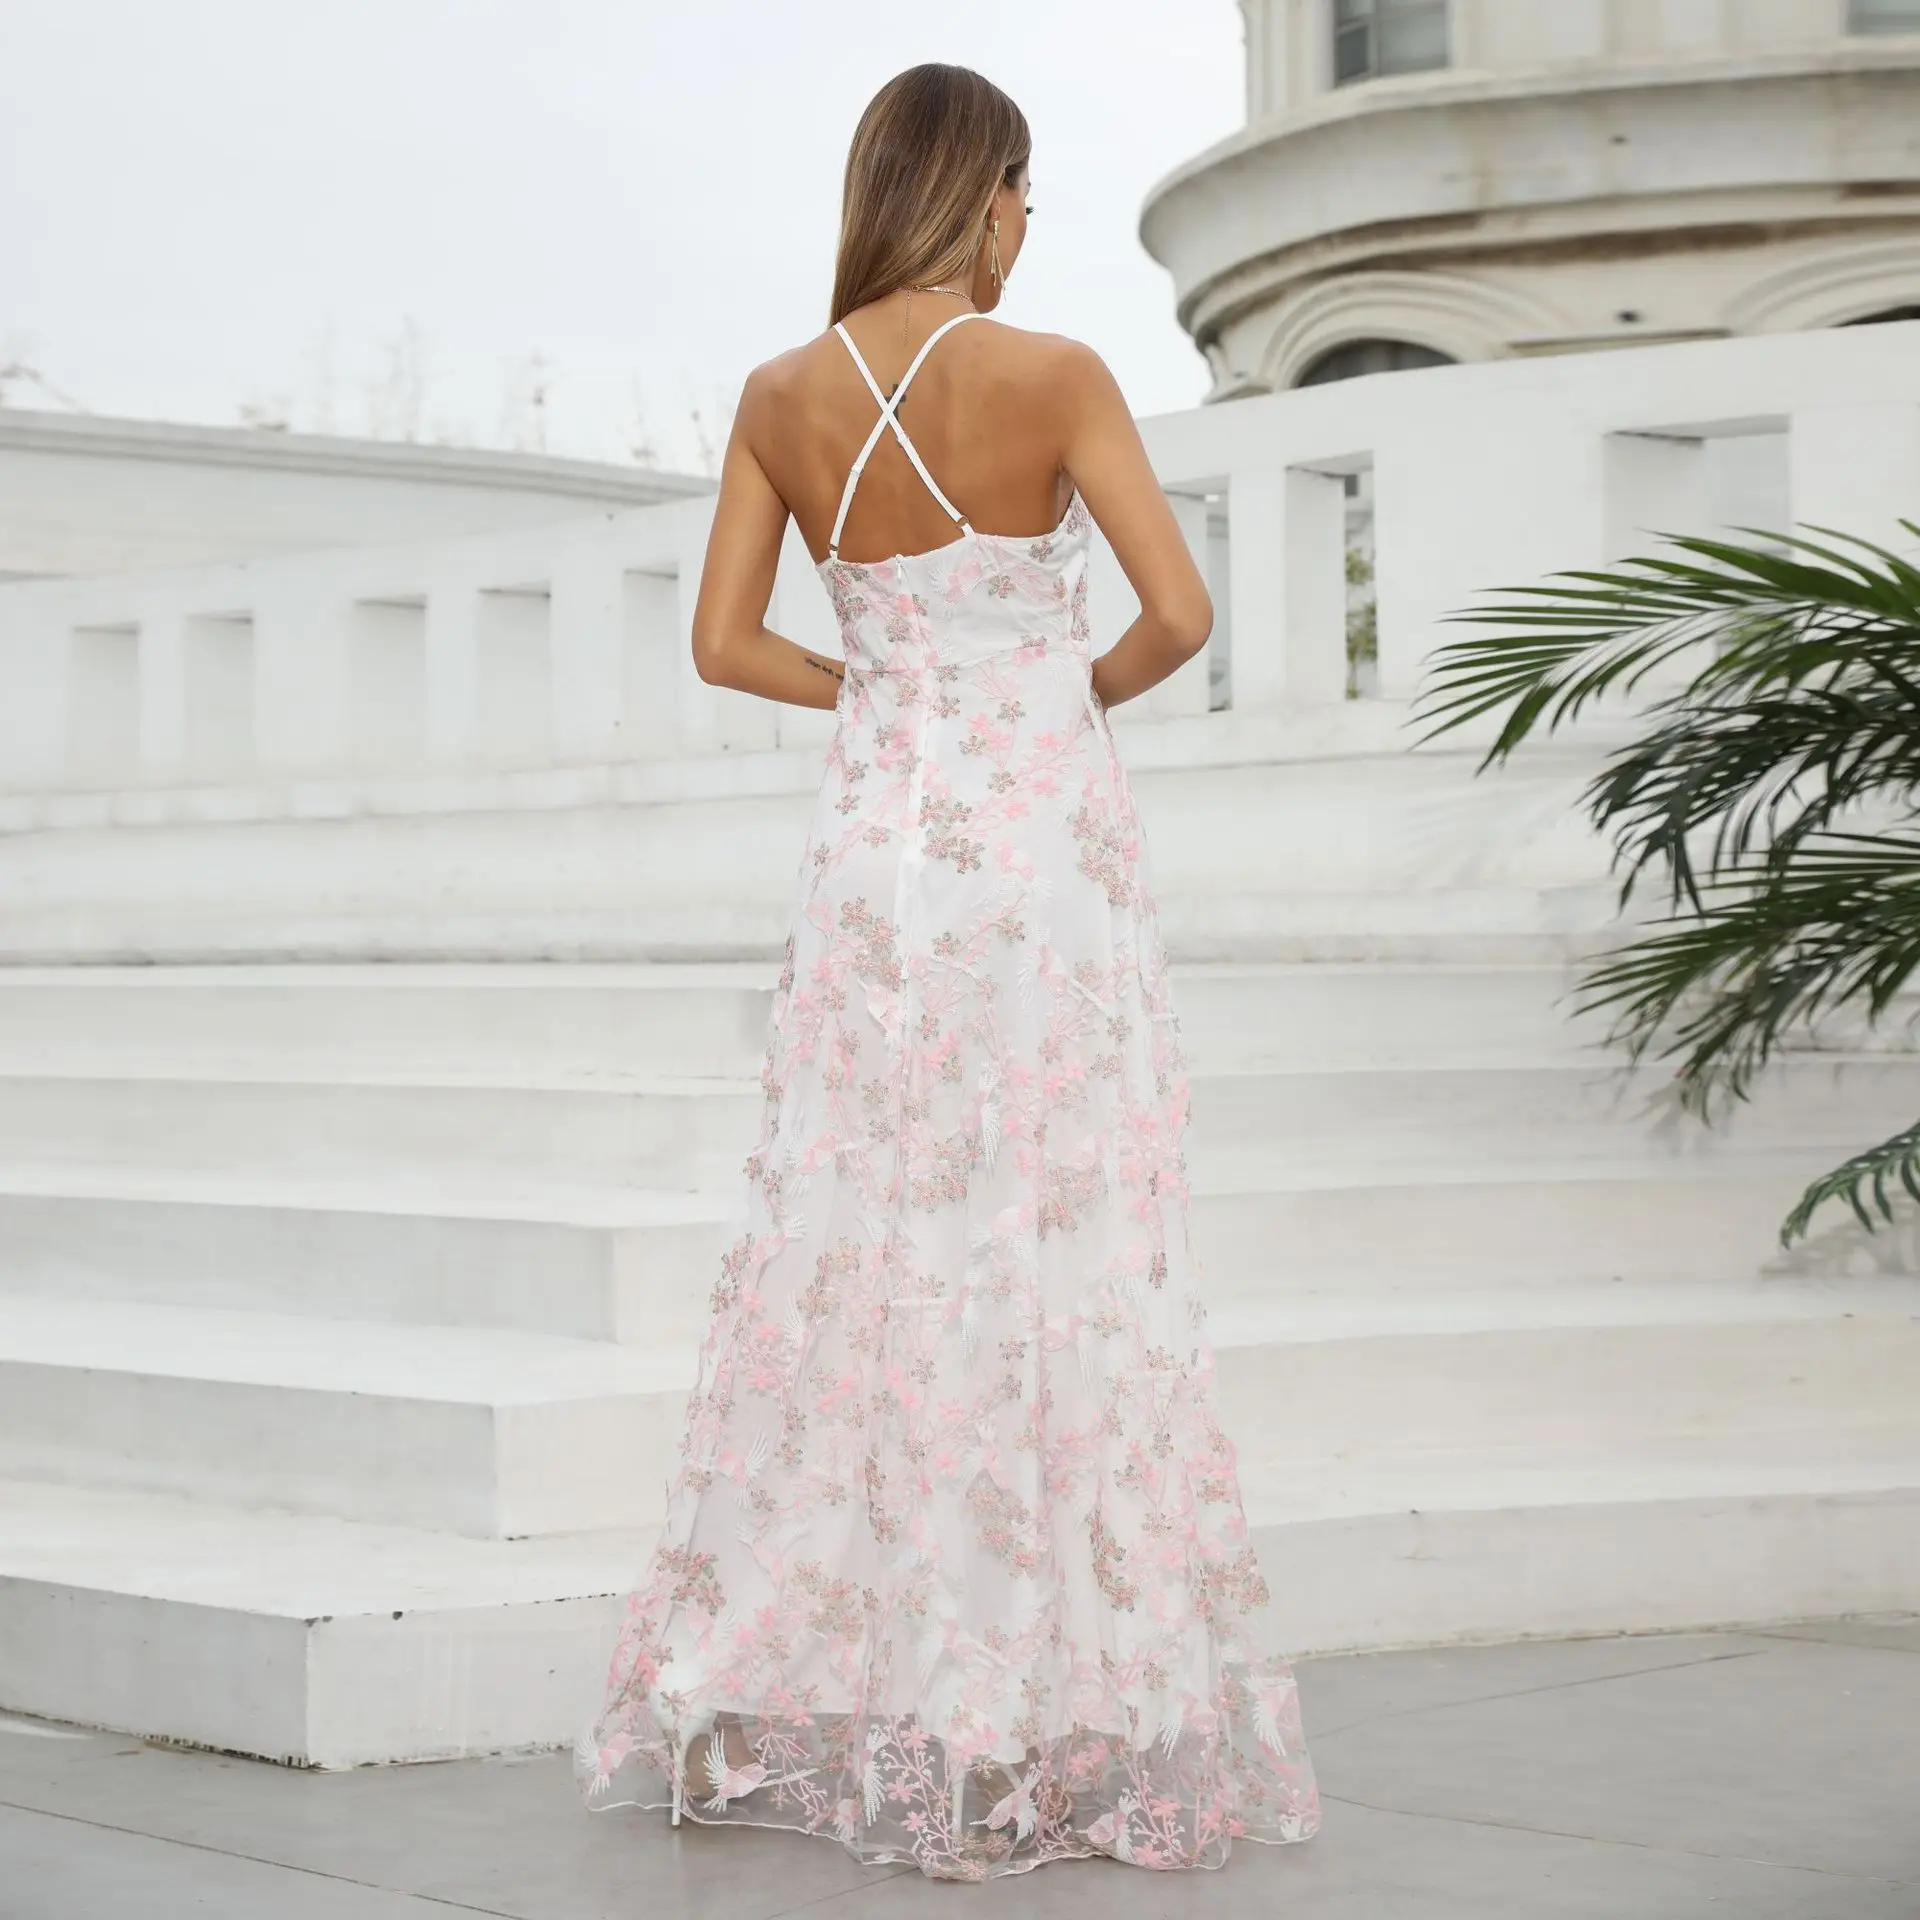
(712, 658)
(1188, 621)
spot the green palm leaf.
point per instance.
(1865, 1176)
(1769, 786)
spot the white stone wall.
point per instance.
(84, 495)
(1589, 174)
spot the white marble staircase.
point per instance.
(346, 1314)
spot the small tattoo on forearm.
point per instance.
(827, 667)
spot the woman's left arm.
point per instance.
(732, 643)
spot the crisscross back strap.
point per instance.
(889, 417)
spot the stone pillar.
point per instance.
(588, 590)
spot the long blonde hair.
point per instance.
(933, 147)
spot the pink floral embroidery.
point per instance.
(955, 1568)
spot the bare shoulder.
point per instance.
(1053, 357)
(1076, 384)
(778, 379)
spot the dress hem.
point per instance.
(998, 1870)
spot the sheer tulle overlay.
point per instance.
(954, 1566)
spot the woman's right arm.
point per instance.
(732, 644)
(1108, 463)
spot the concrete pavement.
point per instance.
(1769, 1774)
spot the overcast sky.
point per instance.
(361, 213)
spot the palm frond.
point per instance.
(1777, 688)
(1770, 951)
(1867, 1176)
(1554, 649)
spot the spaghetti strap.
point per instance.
(889, 417)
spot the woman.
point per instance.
(954, 1565)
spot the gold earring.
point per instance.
(999, 277)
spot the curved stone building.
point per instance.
(1430, 180)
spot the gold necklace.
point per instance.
(906, 315)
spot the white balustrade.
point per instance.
(567, 646)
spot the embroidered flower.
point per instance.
(952, 1511)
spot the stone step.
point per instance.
(1249, 1129)
(329, 1643)
(1325, 1016)
(679, 1134)
(498, 1434)
(298, 1638)
(1514, 1367)
(1307, 1127)
(633, 1265)
(700, 861)
(1490, 928)
(1667, 1532)
(1539, 1225)
(457, 1429)
(638, 1265)
(575, 1023)
(1459, 926)
(464, 1023)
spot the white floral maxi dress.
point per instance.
(954, 1565)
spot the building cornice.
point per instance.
(1439, 166)
(97, 436)
(1451, 87)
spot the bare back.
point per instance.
(986, 410)
(1005, 425)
